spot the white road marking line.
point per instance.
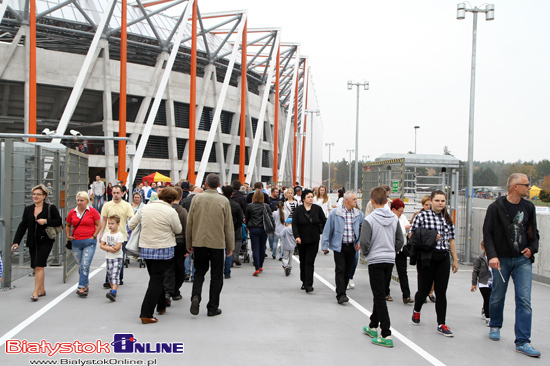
(9, 335)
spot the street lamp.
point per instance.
(329, 144)
(415, 128)
(349, 181)
(351, 84)
(311, 113)
(489, 15)
(298, 135)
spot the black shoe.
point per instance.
(281, 259)
(309, 289)
(303, 287)
(237, 263)
(215, 312)
(121, 283)
(106, 285)
(167, 298)
(227, 277)
(194, 305)
(408, 300)
(187, 277)
(287, 271)
(177, 297)
(343, 299)
(111, 296)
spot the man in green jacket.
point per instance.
(209, 233)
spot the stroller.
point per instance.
(244, 246)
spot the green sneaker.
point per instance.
(371, 332)
(381, 341)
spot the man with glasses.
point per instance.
(511, 240)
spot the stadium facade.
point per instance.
(78, 88)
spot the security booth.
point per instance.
(24, 165)
(412, 176)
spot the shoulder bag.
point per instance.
(69, 244)
(132, 246)
(268, 224)
(52, 231)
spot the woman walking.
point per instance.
(157, 241)
(435, 268)
(254, 218)
(308, 222)
(36, 218)
(85, 223)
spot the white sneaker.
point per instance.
(487, 321)
(351, 285)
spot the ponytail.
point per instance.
(444, 211)
(281, 208)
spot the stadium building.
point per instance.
(185, 104)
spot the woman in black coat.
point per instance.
(35, 220)
(308, 221)
(254, 217)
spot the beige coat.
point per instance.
(209, 222)
(159, 224)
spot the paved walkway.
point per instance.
(266, 320)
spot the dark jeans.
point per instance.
(377, 275)
(401, 266)
(258, 238)
(227, 264)
(343, 261)
(205, 257)
(175, 269)
(437, 273)
(307, 253)
(154, 296)
(486, 293)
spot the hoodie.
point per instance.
(381, 236)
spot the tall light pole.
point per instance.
(311, 113)
(489, 15)
(415, 128)
(298, 135)
(349, 181)
(329, 144)
(365, 84)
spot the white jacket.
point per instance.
(159, 224)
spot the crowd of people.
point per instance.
(185, 231)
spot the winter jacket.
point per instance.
(498, 231)
(333, 232)
(182, 214)
(255, 215)
(308, 225)
(480, 273)
(159, 224)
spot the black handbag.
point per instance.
(269, 228)
(69, 244)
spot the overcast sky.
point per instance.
(417, 57)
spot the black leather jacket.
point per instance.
(255, 215)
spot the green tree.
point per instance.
(485, 177)
(544, 195)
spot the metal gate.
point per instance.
(22, 166)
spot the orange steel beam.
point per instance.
(305, 125)
(122, 96)
(294, 157)
(242, 149)
(276, 125)
(193, 99)
(154, 3)
(32, 71)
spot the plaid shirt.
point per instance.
(157, 254)
(349, 235)
(435, 221)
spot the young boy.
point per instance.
(111, 243)
(380, 239)
(482, 277)
(288, 243)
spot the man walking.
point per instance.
(98, 190)
(511, 240)
(124, 210)
(341, 234)
(209, 232)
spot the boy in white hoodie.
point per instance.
(380, 239)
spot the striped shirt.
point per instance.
(435, 221)
(349, 234)
(157, 254)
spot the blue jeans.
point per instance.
(273, 244)
(227, 264)
(258, 238)
(189, 266)
(522, 273)
(83, 253)
(98, 203)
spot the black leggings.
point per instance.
(486, 293)
(437, 273)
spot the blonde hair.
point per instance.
(42, 188)
(324, 196)
(83, 195)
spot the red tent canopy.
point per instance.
(156, 177)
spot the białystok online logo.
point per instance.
(122, 343)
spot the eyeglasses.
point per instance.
(524, 184)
